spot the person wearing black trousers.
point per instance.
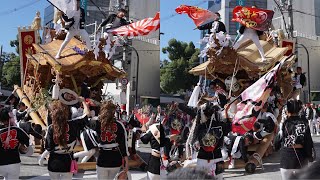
(216, 25)
(153, 136)
(295, 140)
(113, 21)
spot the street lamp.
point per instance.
(308, 61)
(137, 73)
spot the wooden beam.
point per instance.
(26, 101)
(92, 165)
(87, 165)
(75, 84)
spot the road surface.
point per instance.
(31, 170)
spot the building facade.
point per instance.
(306, 25)
(148, 48)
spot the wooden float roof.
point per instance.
(249, 59)
(72, 62)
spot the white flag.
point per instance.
(66, 6)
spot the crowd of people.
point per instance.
(107, 134)
(202, 136)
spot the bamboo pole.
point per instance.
(26, 101)
(92, 165)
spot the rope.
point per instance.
(294, 149)
(205, 79)
(259, 159)
(99, 9)
(211, 74)
(235, 71)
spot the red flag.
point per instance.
(198, 15)
(254, 18)
(139, 28)
(253, 99)
(143, 119)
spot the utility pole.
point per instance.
(290, 18)
(2, 64)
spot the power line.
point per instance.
(3, 13)
(295, 10)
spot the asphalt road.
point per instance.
(271, 167)
(31, 170)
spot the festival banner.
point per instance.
(198, 15)
(26, 39)
(254, 18)
(139, 28)
(252, 100)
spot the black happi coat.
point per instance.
(70, 21)
(218, 129)
(295, 130)
(21, 115)
(154, 162)
(60, 158)
(9, 154)
(111, 18)
(221, 27)
(31, 128)
(116, 134)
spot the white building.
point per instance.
(144, 84)
(306, 24)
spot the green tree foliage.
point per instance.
(15, 43)
(11, 70)
(174, 74)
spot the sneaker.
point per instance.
(57, 57)
(318, 134)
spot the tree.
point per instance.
(174, 74)
(15, 43)
(11, 70)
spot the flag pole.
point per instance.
(54, 5)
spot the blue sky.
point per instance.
(179, 26)
(22, 16)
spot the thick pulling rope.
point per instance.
(259, 159)
(294, 149)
